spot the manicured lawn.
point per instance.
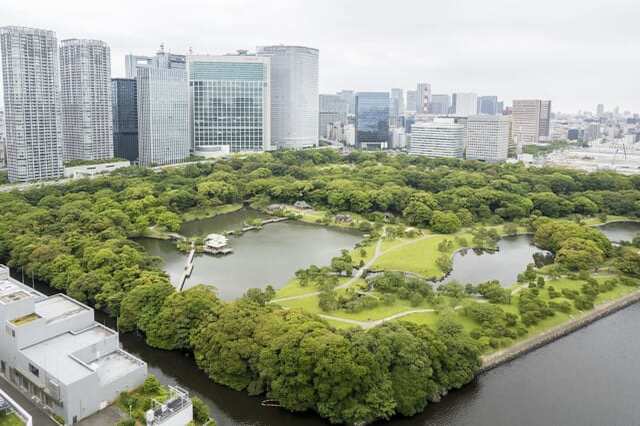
(293, 288)
(10, 420)
(207, 212)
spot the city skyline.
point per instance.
(558, 62)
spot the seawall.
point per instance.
(496, 359)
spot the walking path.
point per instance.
(38, 416)
(377, 253)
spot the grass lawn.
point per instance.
(207, 212)
(10, 419)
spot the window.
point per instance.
(34, 370)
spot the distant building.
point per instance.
(412, 101)
(396, 107)
(163, 112)
(3, 142)
(440, 104)
(124, 101)
(161, 60)
(350, 98)
(488, 105)
(333, 110)
(55, 353)
(230, 102)
(85, 74)
(591, 132)
(32, 103)
(441, 138)
(487, 138)
(294, 95)
(600, 110)
(574, 134)
(531, 120)
(465, 104)
(423, 92)
(372, 120)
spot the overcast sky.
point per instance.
(575, 52)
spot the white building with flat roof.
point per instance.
(487, 137)
(56, 354)
(294, 96)
(441, 138)
(465, 104)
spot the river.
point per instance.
(587, 378)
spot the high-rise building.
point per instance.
(396, 107)
(162, 59)
(531, 118)
(125, 118)
(423, 92)
(163, 112)
(600, 110)
(294, 96)
(441, 138)
(85, 76)
(230, 103)
(372, 120)
(488, 105)
(32, 103)
(487, 138)
(465, 104)
(350, 98)
(545, 118)
(500, 110)
(333, 111)
(3, 142)
(412, 101)
(440, 104)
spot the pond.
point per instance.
(511, 258)
(269, 256)
(620, 231)
(220, 223)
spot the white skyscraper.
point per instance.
(423, 98)
(412, 101)
(85, 74)
(32, 103)
(230, 103)
(440, 138)
(487, 138)
(465, 104)
(163, 111)
(294, 96)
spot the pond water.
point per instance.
(620, 231)
(269, 256)
(512, 257)
(220, 223)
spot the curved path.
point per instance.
(375, 323)
(378, 252)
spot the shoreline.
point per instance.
(489, 362)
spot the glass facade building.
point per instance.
(230, 102)
(372, 120)
(125, 118)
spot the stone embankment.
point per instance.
(494, 360)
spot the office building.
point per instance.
(163, 111)
(487, 138)
(372, 120)
(162, 59)
(55, 353)
(32, 103)
(440, 104)
(294, 96)
(441, 138)
(423, 93)
(465, 104)
(3, 142)
(333, 111)
(230, 103)
(124, 101)
(600, 110)
(350, 98)
(531, 119)
(591, 132)
(396, 111)
(85, 76)
(412, 101)
(488, 105)
(500, 108)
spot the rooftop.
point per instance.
(11, 291)
(114, 365)
(59, 307)
(55, 355)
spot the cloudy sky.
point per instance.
(576, 52)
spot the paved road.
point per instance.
(38, 416)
